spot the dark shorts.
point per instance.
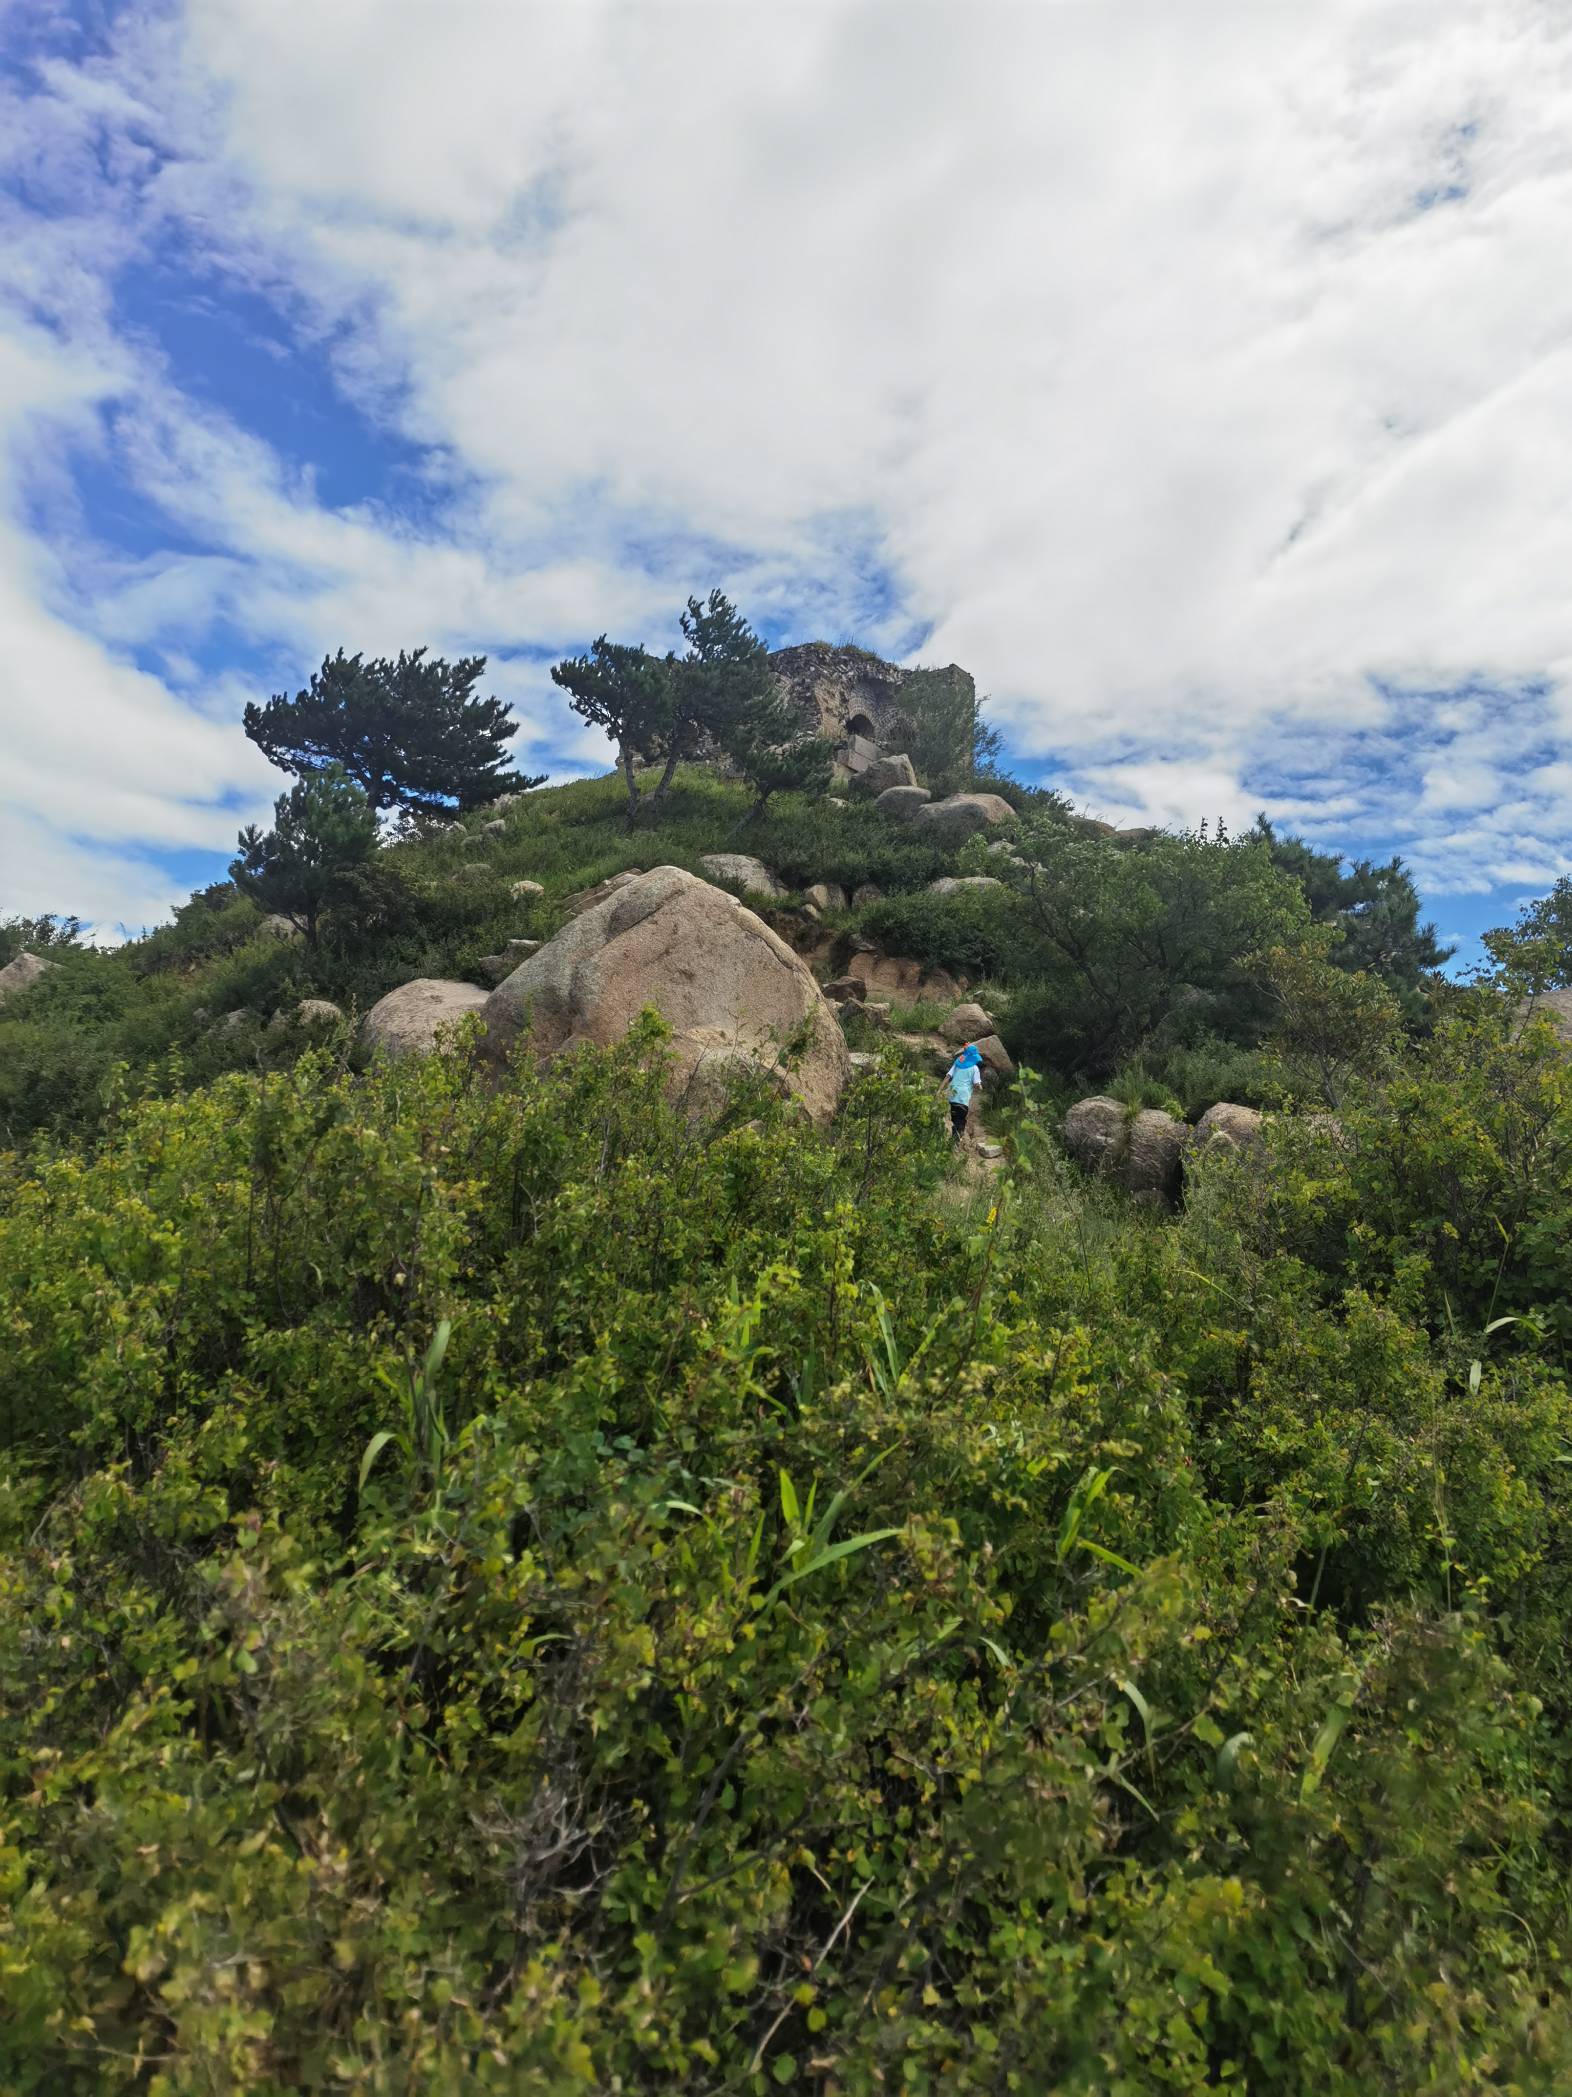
(958, 1116)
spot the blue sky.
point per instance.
(1202, 385)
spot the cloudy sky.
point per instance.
(1196, 375)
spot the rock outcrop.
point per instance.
(525, 891)
(310, 1012)
(958, 884)
(21, 972)
(729, 989)
(591, 898)
(996, 1055)
(963, 815)
(851, 697)
(1553, 1005)
(826, 895)
(967, 1023)
(496, 968)
(1141, 1153)
(897, 976)
(1229, 1128)
(408, 1020)
(744, 871)
(886, 771)
(903, 802)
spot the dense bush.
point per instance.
(509, 1591)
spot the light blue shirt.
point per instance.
(964, 1081)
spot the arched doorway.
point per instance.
(859, 724)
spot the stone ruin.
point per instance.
(853, 700)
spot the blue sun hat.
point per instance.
(970, 1058)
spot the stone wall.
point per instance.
(851, 698)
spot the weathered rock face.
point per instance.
(21, 972)
(903, 802)
(525, 891)
(846, 990)
(899, 977)
(1142, 1153)
(826, 895)
(841, 692)
(881, 773)
(278, 927)
(967, 1023)
(406, 1022)
(964, 815)
(496, 968)
(589, 898)
(996, 1055)
(724, 983)
(745, 871)
(1554, 1005)
(958, 884)
(1229, 1127)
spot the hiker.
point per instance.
(962, 1078)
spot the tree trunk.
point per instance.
(663, 783)
(625, 753)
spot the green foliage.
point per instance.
(948, 740)
(323, 828)
(509, 1590)
(1331, 1027)
(34, 935)
(732, 698)
(1535, 954)
(1374, 909)
(410, 733)
(1135, 950)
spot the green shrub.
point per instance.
(509, 1590)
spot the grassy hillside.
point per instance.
(506, 1590)
(426, 907)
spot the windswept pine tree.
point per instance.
(411, 733)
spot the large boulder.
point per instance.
(525, 891)
(958, 884)
(826, 895)
(725, 984)
(963, 815)
(996, 1055)
(897, 976)
(903, 802)
(886, 771)
(967, 1023)
(1229, 1128)
(407, 1021)
(592, 898)
(21, 973)
(743, 871)
(278, 926)
(1141, 1153)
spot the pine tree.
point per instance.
(1374, 906)
(627, 693)
(730, 696)
(410, 733)
(323, 829)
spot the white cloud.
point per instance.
(1200, 378)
